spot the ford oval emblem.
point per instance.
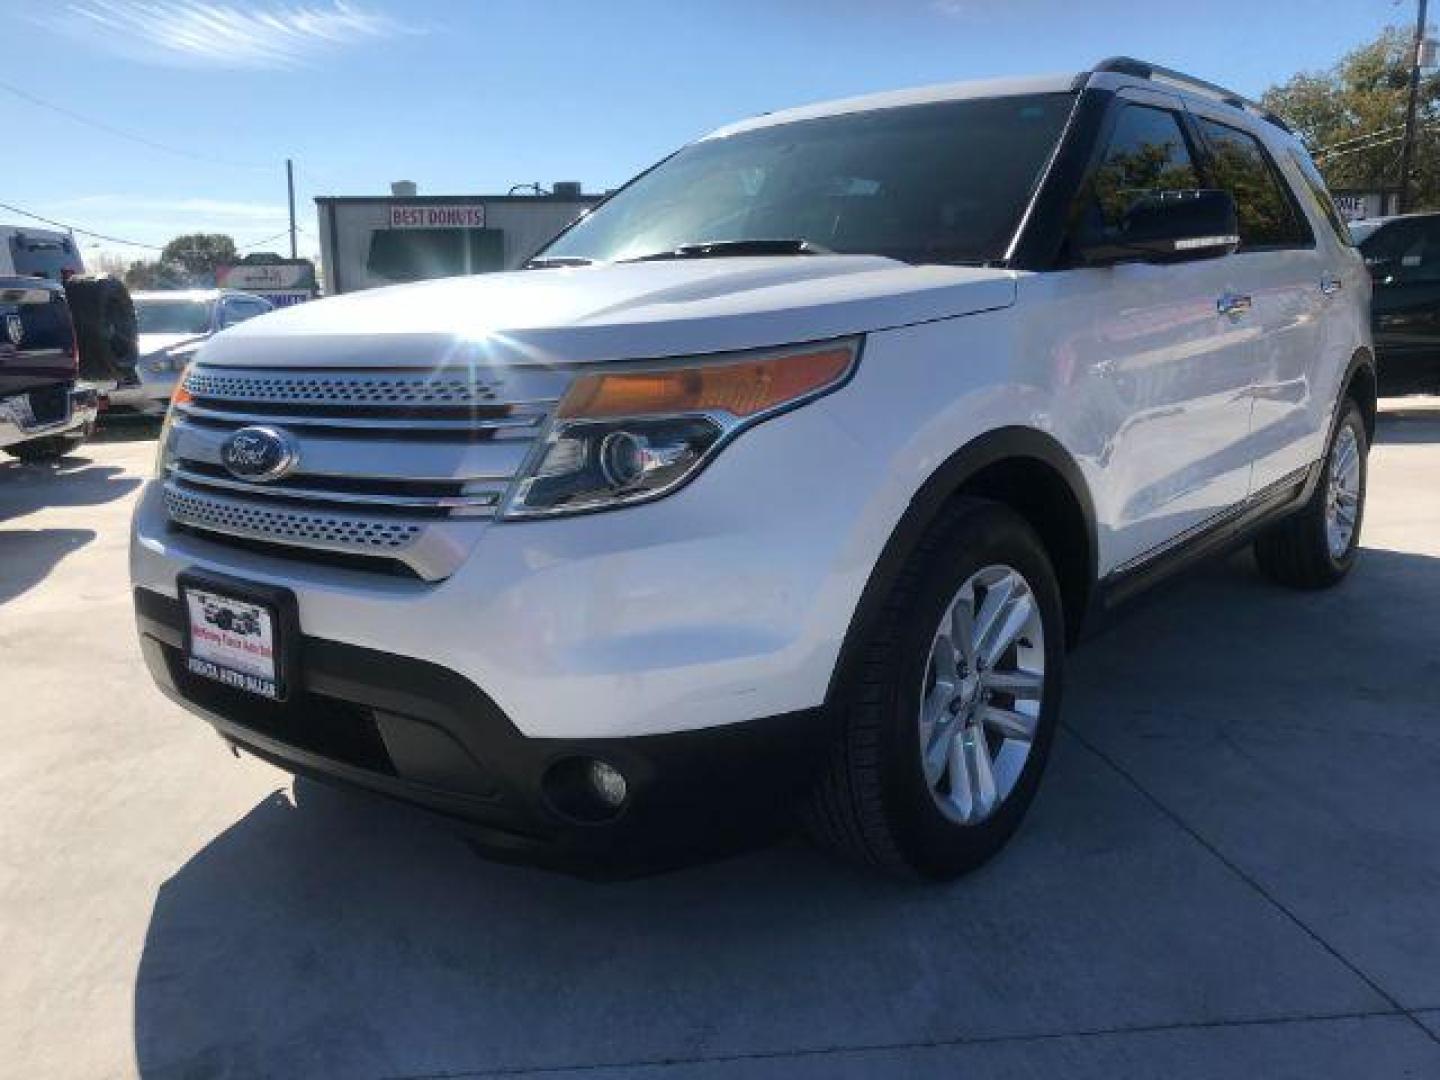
(259, 454)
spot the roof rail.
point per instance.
(1143, 69)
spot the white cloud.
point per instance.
(195, 33)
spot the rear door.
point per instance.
(1277, 276)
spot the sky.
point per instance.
(144, 119)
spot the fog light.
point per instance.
(585, 789)
(609, 785)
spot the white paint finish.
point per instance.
(611, 312)
(1148, 386)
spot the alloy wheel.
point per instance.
(982, 694)
(1342, 502)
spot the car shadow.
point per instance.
(73, 481)
(124, 428)
(27, 556)
(335, 933)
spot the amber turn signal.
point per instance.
(742, 388)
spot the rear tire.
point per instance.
(895, 794)
(1316, 547)
(48, 448)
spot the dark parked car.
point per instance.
(1403, 254)
(43, 414)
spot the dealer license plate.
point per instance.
(232, 641)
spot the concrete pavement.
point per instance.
(1233, 868)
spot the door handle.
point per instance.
(1233, 304)
(1330, 285)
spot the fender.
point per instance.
(1022, 444)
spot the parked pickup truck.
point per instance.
(43, 413)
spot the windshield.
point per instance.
(173, 316)
(941, 183)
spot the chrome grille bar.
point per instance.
(498, 423)
(466, 505)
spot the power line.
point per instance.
(100, 125)
(1362, 149)
(257, 243)
(77, 229)
(1359, 138)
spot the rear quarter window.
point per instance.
(1315, 184)
(1264, 204)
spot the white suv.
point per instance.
(783, 480)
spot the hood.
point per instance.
(611, 312)
(149, 344)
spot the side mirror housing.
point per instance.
(1166, 226)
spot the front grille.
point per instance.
(398, 465)
(358, 388)
(239, 518)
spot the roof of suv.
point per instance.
(1112, 73)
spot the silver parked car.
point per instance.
(173, 324)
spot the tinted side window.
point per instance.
(1316, 183)
(1268, 217)
(1147, 151)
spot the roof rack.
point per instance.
(1143, 69)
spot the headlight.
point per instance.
(171, 359)
(637, 433)
(162, 445)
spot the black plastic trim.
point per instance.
(1000, 445)
(425, 735)
(1210, 539)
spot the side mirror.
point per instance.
(1166, 226)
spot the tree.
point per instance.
(1364, 95)
(198, 254)
(154, 275)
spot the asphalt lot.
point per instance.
(1233, 868)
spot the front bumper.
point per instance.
(21, 420)
(149, 394)
(421, 733)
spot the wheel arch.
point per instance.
(1021, 467)
(1361, 384)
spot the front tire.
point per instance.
(1316, 547)
(950, 702)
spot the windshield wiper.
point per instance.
(542, 262)
(719, 249)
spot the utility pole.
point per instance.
(1408, 150)
(290, 172)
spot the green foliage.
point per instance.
(1366, 93)
(198, 254)
(187, 262)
